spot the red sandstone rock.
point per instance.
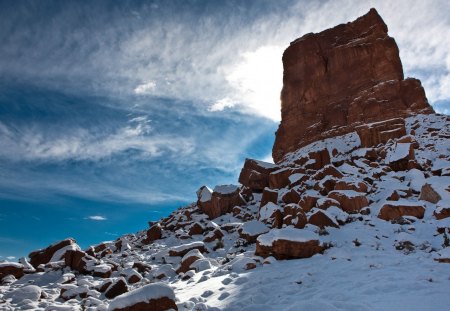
(117, 288)
(292, 196)
(442, 212)
(43, 256)
(154, 233)
(282, 177)
(224, 198)
(269, 195)
(294, 215)
(340, 78)
(427, 193)
(380, 132)
(355, 186)
(75, 260)
(188, 260)
(321, 219)
(288, 243)
(255, 174)
(11, 268)
(393, 211)
(350, 201)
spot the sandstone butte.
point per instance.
(342, 78)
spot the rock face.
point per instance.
(341, 78)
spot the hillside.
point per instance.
(354, 215)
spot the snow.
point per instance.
(226, 189)
(30, 292)
(289, 234)
(267, 211)
(295, 177)
(143, 294)
(187, 246)
(348, 193)
(254, 227)
(265, 165)
(400, 151)
(204, 194)
(11, 264)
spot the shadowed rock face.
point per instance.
(340, 78)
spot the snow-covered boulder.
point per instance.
(54, 252)
(288, 243)
(157, 296)
(188, 260)
(249, 231)
(186, 248)
(350, 201)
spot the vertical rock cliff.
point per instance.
(340, 78)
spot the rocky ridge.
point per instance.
(369, 203)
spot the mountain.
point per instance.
(353, 215)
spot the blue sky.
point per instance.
(113, 113)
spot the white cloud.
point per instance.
(96, 217)
(257, 81)
(145, 88)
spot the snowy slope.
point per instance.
(368, 264)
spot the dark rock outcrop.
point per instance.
(341, 78)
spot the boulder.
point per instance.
(214, 235)
(350, 201)
(427, 193)
(294, 215)
(399, 156)
(321, 219)
(341, 78)
(188, 260)
(186, 248)
(269, 195)
(282, 178)
(155, 297)
(54, 252)
(442, 212)
(396, 209)
(154, 233)
(358, 186)
(292, 196)
(223, 199)
(288, 243)
(118, 287)
(308, 200)
(196, 228)
(74, 259)
(380, 132)
(255, 174)
(250, 231)
(11, 268)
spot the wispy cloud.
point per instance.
(96, 218)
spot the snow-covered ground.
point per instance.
(368, 263)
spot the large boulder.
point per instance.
(54, 252)
(350, 201)
(153, 234)
(151, 297)
(341, 78)
(395, 210)
(182, 250)
(288, 243)
(223, 199)
(255, 174)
